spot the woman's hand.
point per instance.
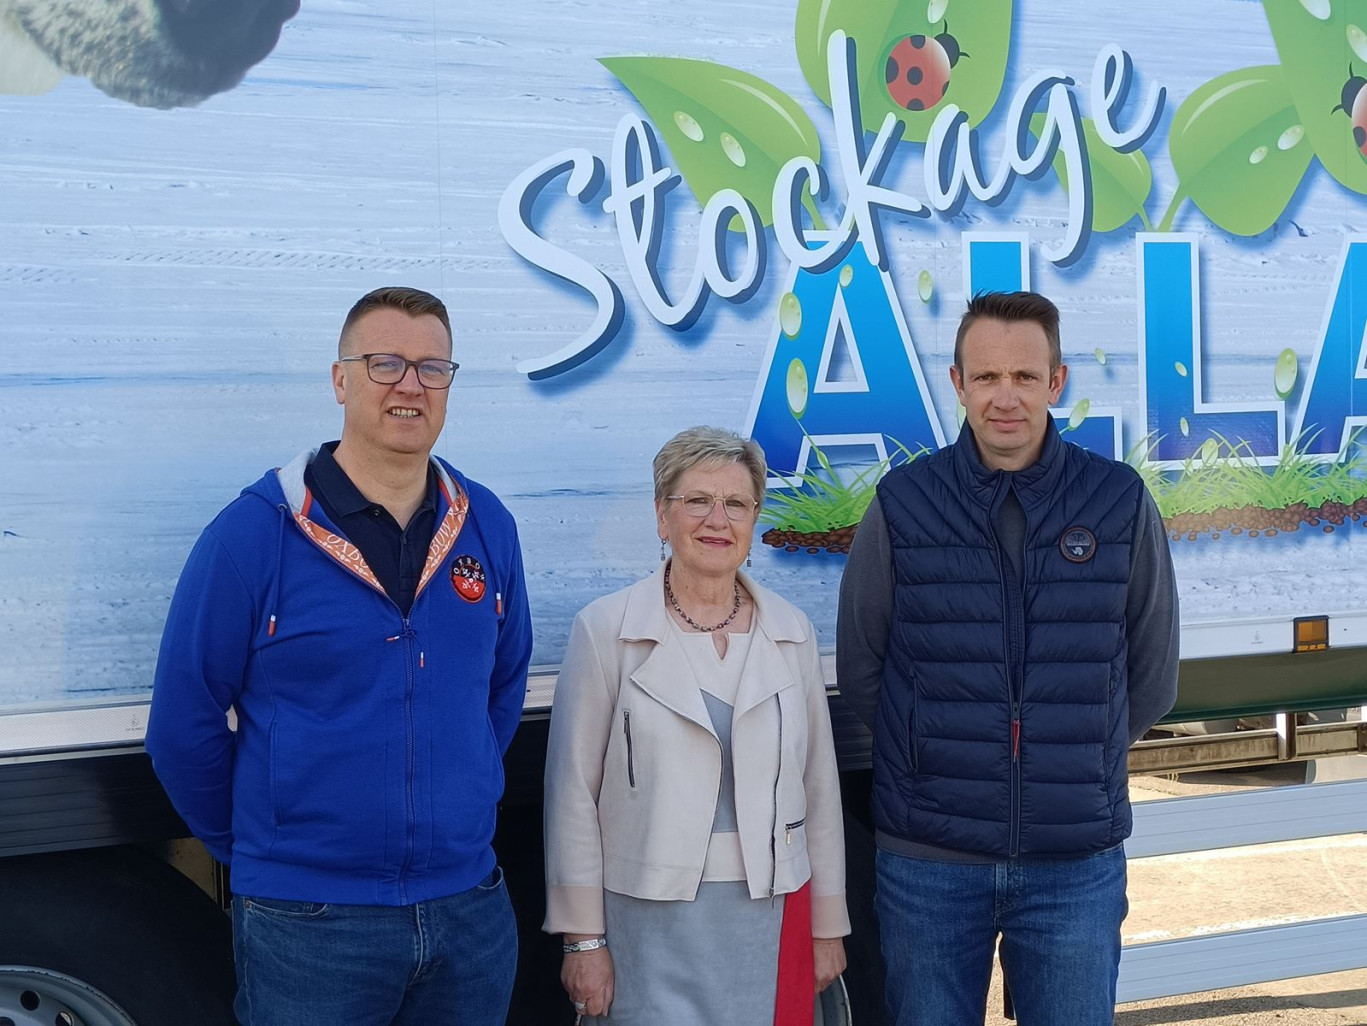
(587, 978)
(830, 960)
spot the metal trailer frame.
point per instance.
(1241, 957)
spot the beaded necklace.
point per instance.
(669, 594)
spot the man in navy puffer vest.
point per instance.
(1008, 627)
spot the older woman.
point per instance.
(695, 858)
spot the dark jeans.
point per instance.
(1059, 922)
(301, 963)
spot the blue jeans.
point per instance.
(1059, 922)
(300, 963)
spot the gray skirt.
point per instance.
(712, 961)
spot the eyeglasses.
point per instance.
(390, 368)
(699, 505)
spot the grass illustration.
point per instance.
(824, 510)
(1222, 487)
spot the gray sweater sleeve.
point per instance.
(865, 615)
(1151, 618)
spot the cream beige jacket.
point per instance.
(633, 767)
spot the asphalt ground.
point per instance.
(1240, 888)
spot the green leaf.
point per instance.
(725, 128)
(981, 29)
(1316, 55)
(1121, 182)
(1239, 150)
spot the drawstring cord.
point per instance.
(489, 570)
(273, 605)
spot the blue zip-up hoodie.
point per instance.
(367, 762)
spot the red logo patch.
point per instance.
(467, 577)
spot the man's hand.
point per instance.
(830, 960)
(587, 979)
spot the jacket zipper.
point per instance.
(410, 742)
(410, 745)
(788, 829)
(1009, 603)
(406, 635)
(631, 762)
(773, 828)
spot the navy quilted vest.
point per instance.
(1003, 718)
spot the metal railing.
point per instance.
(1240, 957)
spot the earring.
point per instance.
(747, 561)
(662, 550)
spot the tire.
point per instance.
(833, 1005)
(110, 937)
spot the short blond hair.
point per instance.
(698, 446)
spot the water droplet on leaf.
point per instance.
(1079, 414)
(1258, 155)
(1180, 368)
(1186, 428)
(846, 274)
(1318, 8)
(925, 286)
(1100, 355)
(790, 315)
(1284, 377)
(1357, 39)
(1290, 137)
(797, 388)
(735, 153)
(688, 125)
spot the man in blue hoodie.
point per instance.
(363, 612)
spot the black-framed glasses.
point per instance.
(389, 369)
(699, 505)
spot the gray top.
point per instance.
(722, 713)
(719, 680)
(865, 620)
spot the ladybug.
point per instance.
(918, 69)
(1353, 102)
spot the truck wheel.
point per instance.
(110, 937)
(38, 997)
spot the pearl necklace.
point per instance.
(669, 594)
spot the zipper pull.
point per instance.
(1015, 740)
(787, 835)
(270, 629)
(498, 603)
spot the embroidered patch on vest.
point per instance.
(467, 577)
(1077, 544)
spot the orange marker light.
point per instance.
(1311, 633)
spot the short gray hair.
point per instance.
(707, 445)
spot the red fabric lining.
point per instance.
(796, 994)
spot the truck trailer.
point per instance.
(764, 216)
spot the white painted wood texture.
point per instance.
(171, 285)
